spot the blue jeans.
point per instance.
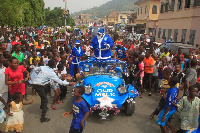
(73, 69)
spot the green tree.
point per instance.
(54, 18)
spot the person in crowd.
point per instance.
(40, 83)
(101, 45)
(141, 72)
(173, 64)
(189, 108)
(2, 47)
(14, 76)
(170, 56)
(169, 108)
(15, 120)
(180, 52)
(148, 70)
(80, 111)
(17, 53)
(77, 52)
(166, 53)
(34, 57)
(155, 74)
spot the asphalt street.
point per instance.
(139, 122)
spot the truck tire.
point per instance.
(130, 108)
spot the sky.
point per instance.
(74, 5)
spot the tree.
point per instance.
(54, 18)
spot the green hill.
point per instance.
(105, 9)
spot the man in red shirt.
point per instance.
(148, 70)
(13, 42)
(180, 52)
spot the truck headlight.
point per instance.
(122, 89)
(88, 89)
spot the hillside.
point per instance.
(105, 9)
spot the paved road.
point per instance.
(137, 123)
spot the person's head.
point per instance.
(100, 33)
(141, 58)
(164, 62)
(193, 63)
(34, 54)
(135, 56)
(173, 81)
(17, 48)
(13, 62)
(24, 64)
(171, 51)
(174, 61)
(157, 59)
(147, 54)
(51, 63)
(78, 43)
(50, 55)
(193, 91)
(2, 59)
(56, 59)
(23, 48)
(180, 58)
(2, 46)
(17, 96)
(177, 68)
(60, 67)
(142, 48)
(44, 52)
(166, 73)
(34, 62)
(84, 57)
(166, 50)
(180, 51)
(13, 38)
(78, 91)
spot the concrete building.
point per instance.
(84, 19)
(179, 20)
(126, 17)
(147, 16)
(112, 19)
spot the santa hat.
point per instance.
(101, 31)
(77, 42)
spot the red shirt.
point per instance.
(181, 55)
(13, 42)
(132, 47)
(16, 76)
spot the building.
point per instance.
(84, 19)
(147, 16)
(126, 18)
(112, 19)
(179, 20)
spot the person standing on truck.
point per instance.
(102, 44)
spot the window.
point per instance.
(138, 10)
(145, 9)
(179, 4)
(116, 19)
(196, 2)
(166, 7)
(192, 36)
(159, 32)
(172, 5)
(169, 33)
(110, 18)
(162, 7)
(187, 3)
(154, 9)
(183, 37)
(141, 10)
(175, 35)
(163, 35)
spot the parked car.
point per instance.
(106, 82)
(176, 45)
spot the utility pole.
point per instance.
(65, 10)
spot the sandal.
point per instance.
(149, 94)
(151, 117)
(53, 107)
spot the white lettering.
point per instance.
(104, 94)
(112, 94)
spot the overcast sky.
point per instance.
(74, 5)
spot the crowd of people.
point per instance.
(48, 61)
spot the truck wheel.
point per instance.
(130, 108)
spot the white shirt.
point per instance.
(3, 86)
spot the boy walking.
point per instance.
(169, 108)
(80, 111)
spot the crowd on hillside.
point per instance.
(48, 60)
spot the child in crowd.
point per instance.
(34, 57)
(80, 111)
(155, 73)
(189, 109)
(164, 86)
(169, 108)
(33, 74)
(16, 120)
(141, 71)
(14, 76)
(172, 65)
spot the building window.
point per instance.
(138, 10)
(192, 36)
(141, 10)
(159, 32)
(145, 9)
(163, 35)
(162, 7)
(175, 35)
(116, 19)
(196, 2)
(169, 33)
(183, 37)
(179, 4)
(166, 6)
(154, 9)
(187, 3)
(110, 18)
(172, 5)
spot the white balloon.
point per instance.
(105, 101)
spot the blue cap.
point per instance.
(78, 42)
(101, 31)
